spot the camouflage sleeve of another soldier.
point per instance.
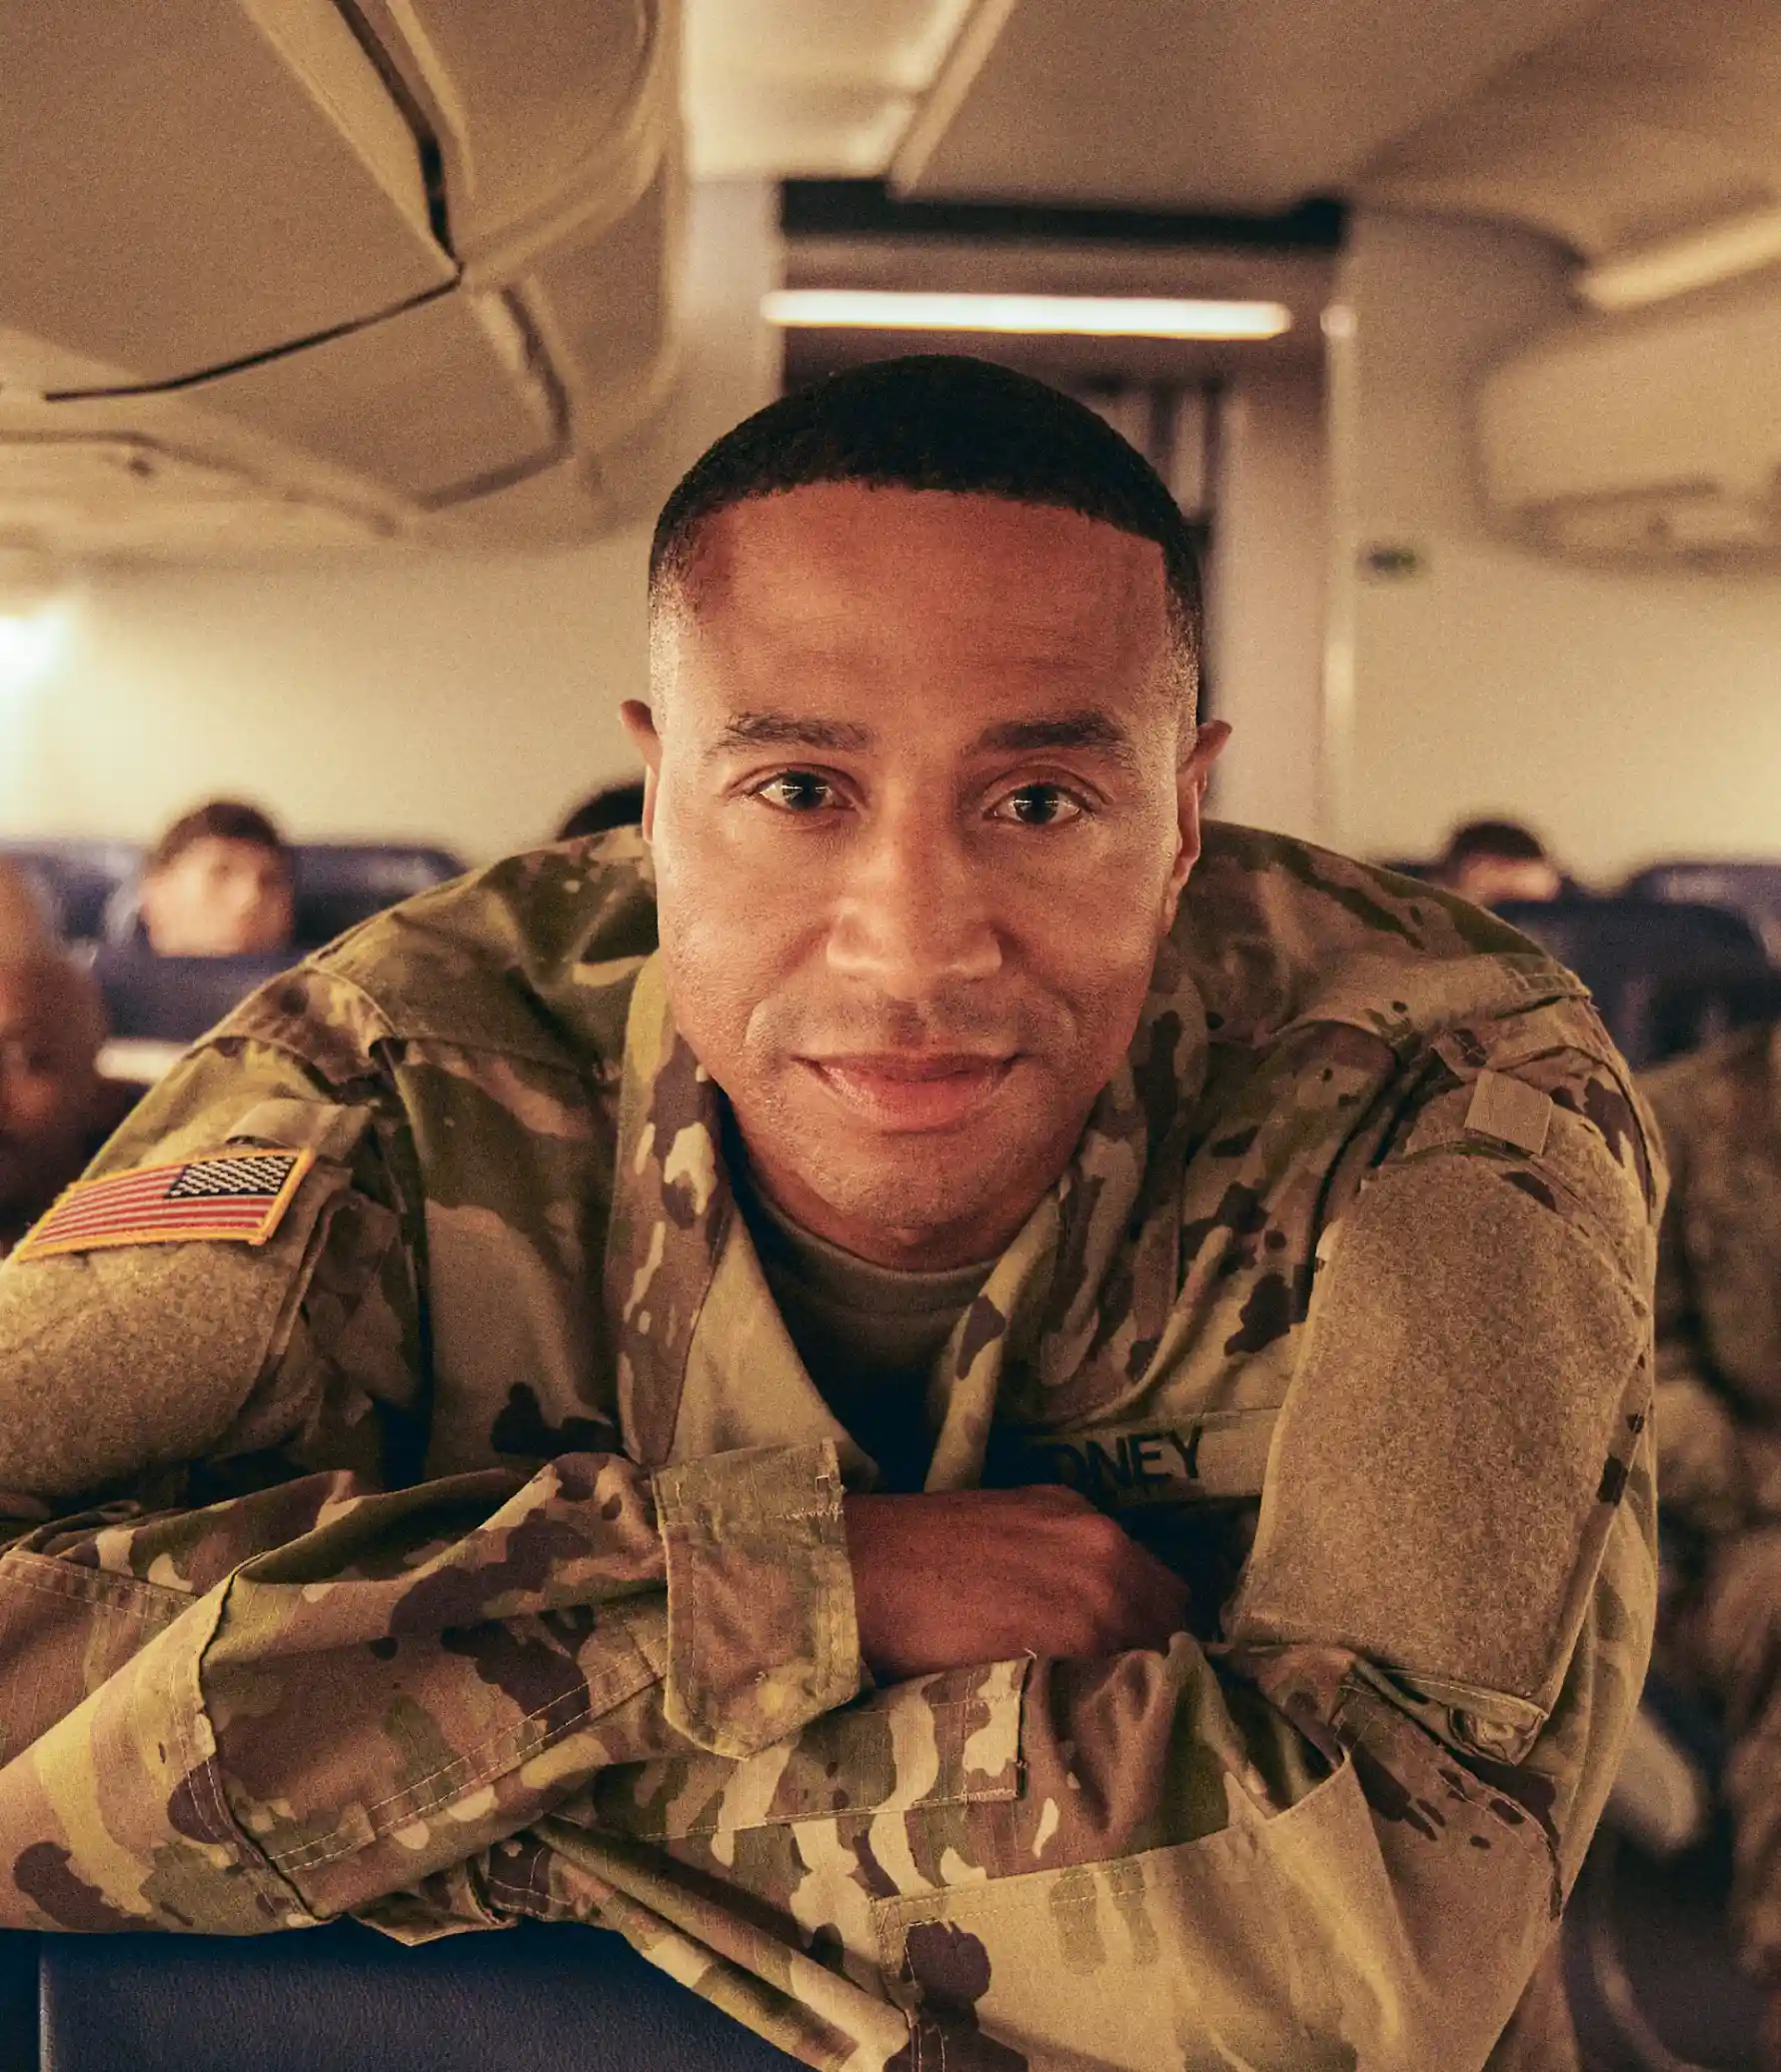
(249, 1659)
(1712, 1111)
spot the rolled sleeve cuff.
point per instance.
(762, 1633)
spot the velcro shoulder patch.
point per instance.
(1510, 1111)
(235, 1196)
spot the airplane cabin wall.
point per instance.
(1627, 714)
(1265, 598)
(464, 698)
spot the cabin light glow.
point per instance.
(31, 643)
(1029, 316)
(1723, 251)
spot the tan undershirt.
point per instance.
(867, 1335)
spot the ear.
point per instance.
(640, 723)
(1191, 775)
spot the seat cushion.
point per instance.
(343, 1999)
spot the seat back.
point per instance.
(174, 999)
(1626, 951)
(340, 884)
(18, 2002)
(1750, 889)
(77, 878)
(557, 1999)
(1699, 1006)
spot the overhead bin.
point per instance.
(432, 402)
(374, 264)
(185, 186)
(1647, 438)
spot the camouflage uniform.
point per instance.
(1719, 1415)
(473, 1548)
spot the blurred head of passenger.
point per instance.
(924, 793)
(54, 1107)
(24, 924)
(613, 806)
(219, 883)
(1489, 861)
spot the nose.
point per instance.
(913, 917)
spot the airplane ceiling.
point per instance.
(1604, 126)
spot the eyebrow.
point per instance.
(789, 731)
(1082, 729)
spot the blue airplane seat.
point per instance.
(79, 877)
(18, 2002)
(174, 999)
(1743, 887)
(1627, 951)
(340, 884)
(344, 1999)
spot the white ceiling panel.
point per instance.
(1644, 120)
(1209, 104)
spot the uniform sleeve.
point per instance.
(1453, 1579)
(246, 1683)
(1701, 1472)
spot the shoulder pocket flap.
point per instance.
(323, 1127)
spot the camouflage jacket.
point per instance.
(1719, 1282)
(470, 1546)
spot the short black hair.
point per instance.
(1509, 839)
(221, 820)
(613, 805)
(939, 421)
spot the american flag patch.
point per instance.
(241, 1197)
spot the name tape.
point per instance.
(1221, 1453)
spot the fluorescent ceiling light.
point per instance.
(1029, 316)
(1704, 258)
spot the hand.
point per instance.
(980, 1576)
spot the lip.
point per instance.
(911, 1090)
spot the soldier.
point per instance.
(55, 1110)
(1719, 1414)
(995, 1464)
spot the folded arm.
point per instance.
(240, 1696)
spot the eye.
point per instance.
(797, 792)
(1040, 805)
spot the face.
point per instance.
(48, 1089)
(218, 897)
(1487, 881)
(922, 800)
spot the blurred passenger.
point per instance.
(613, 806)
(1718, 1411)
(1489, 861)
(55, 1110)
(24, 925)
(219, 883)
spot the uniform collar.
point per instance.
(1076, 1301)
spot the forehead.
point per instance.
(230, 852)
(838, 566)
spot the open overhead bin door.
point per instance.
(367, 267)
